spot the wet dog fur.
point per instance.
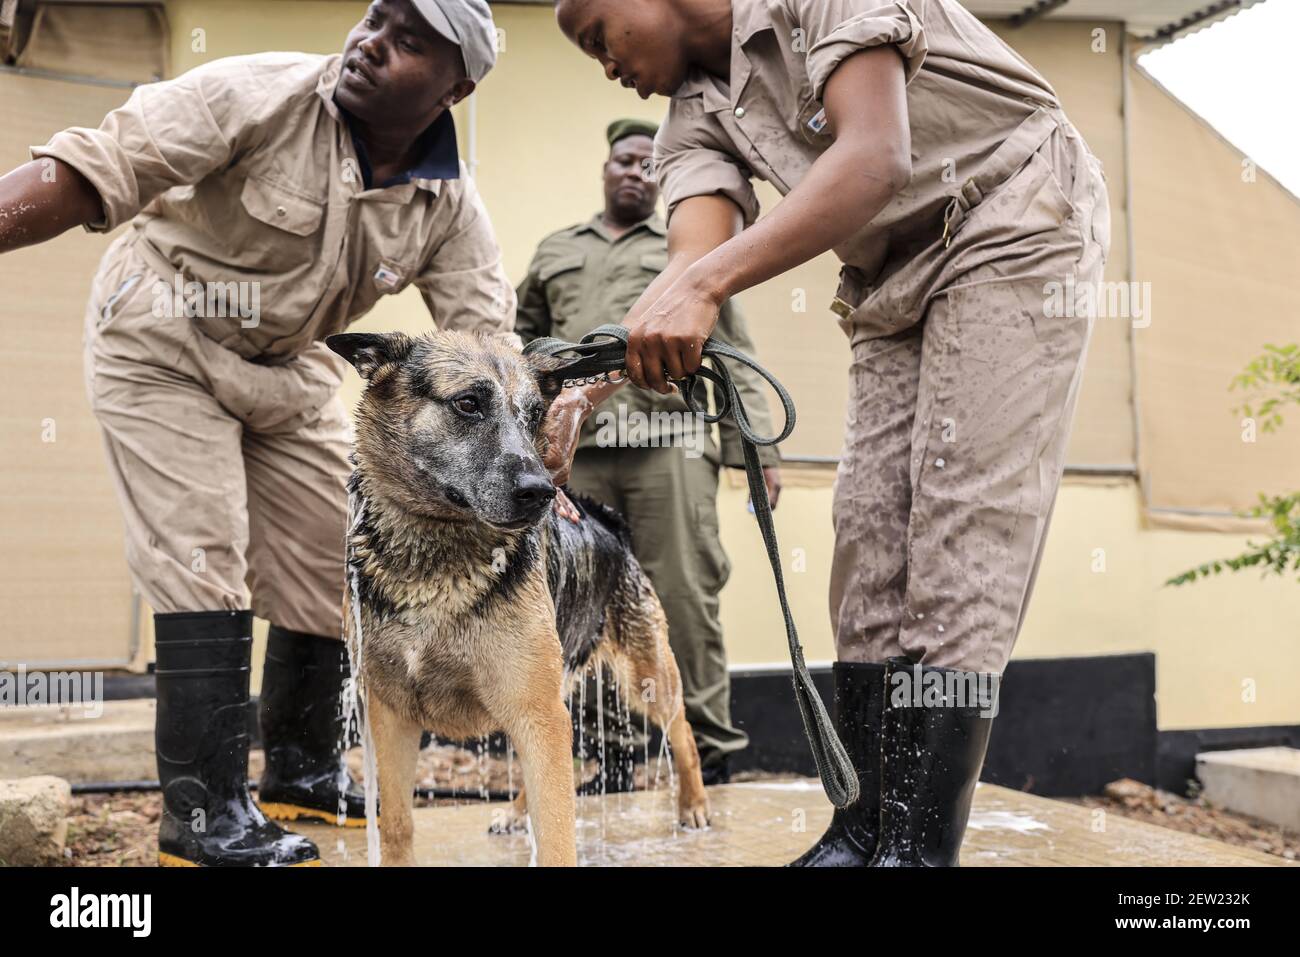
(478, 605)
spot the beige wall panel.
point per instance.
(1221, 254)
(64, 589)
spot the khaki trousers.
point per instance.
(962, 393)
(231, 474)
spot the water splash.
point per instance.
(356, 716)
(1004, 821)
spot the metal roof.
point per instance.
(1157, 20)
(1154, 20)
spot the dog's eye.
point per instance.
(466, 405)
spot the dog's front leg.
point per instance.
(527, 701)
(544, 740)
(397, 749)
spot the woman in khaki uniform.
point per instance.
(939, 167)
(272, 199)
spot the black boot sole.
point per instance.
(171, 860)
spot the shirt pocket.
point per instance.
(654, 263)
(562, 278)
(284, 224)
(627, 280)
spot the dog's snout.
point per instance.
(533, 490)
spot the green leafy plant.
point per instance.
(1272, 381)
(1273, 377)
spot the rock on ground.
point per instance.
(33, 821)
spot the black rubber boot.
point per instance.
(302, 723)
(715, 769)
(850, 840)
(209, 819)
(931, 756)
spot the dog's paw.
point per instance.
(507, 821)
(694, 814)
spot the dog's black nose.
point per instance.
(533, 491)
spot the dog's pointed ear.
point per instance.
(549, 372)
(367, 351)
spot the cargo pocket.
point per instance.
(715, 568)
(1030, 202)
(654, 263)
(986, 386)
(110, 306)
(134, 315)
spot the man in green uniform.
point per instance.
(643, 453)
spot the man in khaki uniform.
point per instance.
(643, 453)
(272, 199)
(939, 167)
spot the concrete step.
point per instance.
(115, 745)
(1260, 782)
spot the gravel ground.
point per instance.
(121, 830)
(1141, 802)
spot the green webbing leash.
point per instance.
(604, 350)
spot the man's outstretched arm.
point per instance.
(43, 198)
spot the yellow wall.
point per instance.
(540, 117)
(1100, 591)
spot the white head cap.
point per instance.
(468, 24)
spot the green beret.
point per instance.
(621, 128)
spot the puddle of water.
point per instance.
(1005, 821)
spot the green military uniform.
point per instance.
(664, 478)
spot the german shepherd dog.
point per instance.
(477, 604)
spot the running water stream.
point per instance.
(354, 716)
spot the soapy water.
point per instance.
(1004, 821)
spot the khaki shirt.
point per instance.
(582, 277)
(967, 92)
(244, 170)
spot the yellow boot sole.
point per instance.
(296, 812)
